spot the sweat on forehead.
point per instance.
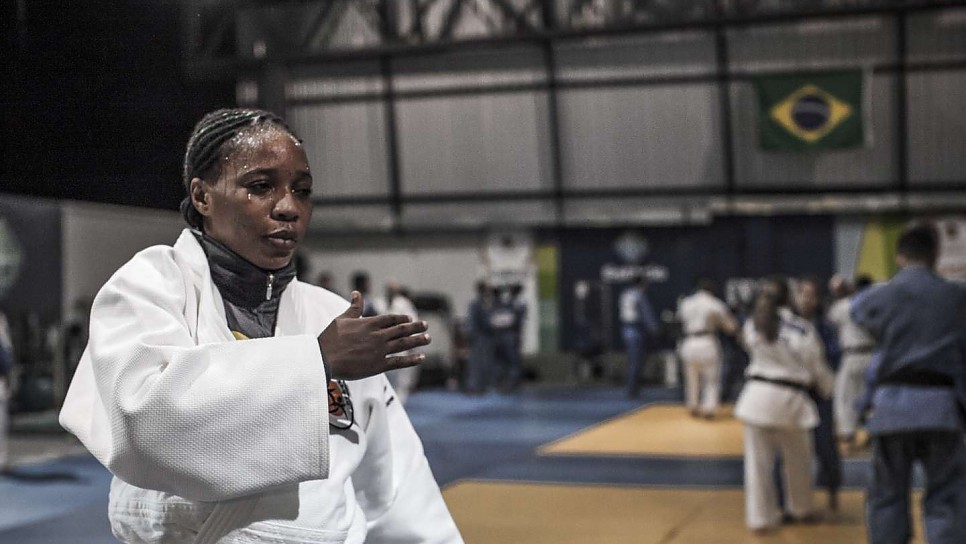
(248, 141)
(210, 136)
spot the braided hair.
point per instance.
(212, 137)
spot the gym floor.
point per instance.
(561, 464)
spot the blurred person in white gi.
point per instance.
(857, 347)
(778, 413)
(6, 369)
(919, 321)
(703, 316)
(638, 327)
(398, 302)
(829, 475)
(214, 382)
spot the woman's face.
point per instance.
(261, 203)
(808, 300)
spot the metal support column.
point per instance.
(902, 105)
(553, 121)
(722, 67)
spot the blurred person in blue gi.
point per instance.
(703, 316)
(778, 412)
(919, 321)
(234, 403)
(857, 347)
(639, 327)
(504, 320)
(829, 476)
(481, 340)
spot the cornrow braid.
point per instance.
(208, 141)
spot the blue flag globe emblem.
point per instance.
(811, 112)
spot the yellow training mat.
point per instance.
(500, 512)
(659, 429)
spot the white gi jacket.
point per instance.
(702, 315)
(191, 421)
(796, 356)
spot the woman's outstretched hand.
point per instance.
(357, 347)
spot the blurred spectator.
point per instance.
(6, 367)
(829, 473)
(857, 348)
(918, 319)
(702, 316)
(639, 326)
(398, 301)
(325, 281)
(505, 323)
(481, 339)
(360, 282)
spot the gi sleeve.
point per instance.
(206, 422)
(394, 484)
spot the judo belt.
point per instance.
(925, 378)
(858, 350)
(784, 383)
(698, 333)
(226, 517)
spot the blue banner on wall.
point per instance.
(673, 258)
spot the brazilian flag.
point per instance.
(805, 112)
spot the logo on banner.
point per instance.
(631, 247)
(11, 258)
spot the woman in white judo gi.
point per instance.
(212, 385)
(702, 315)
(778, 415)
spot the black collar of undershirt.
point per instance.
(240, 282)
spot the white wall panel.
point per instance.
(486, 67)
(937, 35)
(606, 212)
(875, 163)
(331, 80)
(677, 54)
(650, 137)
(937, 127)
(352, 217)
(474, 143)
(813, 44)
(346, 146)
(479, 215)
(99, 238)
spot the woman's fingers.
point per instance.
(407, 343)
(403, 361)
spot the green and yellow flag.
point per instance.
(805, 112)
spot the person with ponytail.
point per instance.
(235, 403)
(778, 414)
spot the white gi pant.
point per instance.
(849, 388)
(762, 446)
(701, 356)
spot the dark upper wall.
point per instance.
(96, 104)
